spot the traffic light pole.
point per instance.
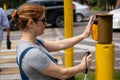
(68, 32)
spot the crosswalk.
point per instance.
(8, 57)
(8, 63)
(8, 66)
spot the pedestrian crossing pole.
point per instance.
(104, 49)
(68, 32)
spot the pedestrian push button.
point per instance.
(95, 30)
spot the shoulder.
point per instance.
(1, 9)
(22, 45)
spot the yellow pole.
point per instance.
(104, 61)
(68, 31)
(4, 6)
(104, 49)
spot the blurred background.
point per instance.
(93, 4)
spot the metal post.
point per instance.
(104, 49)
(68, 32)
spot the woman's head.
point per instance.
(27, 12)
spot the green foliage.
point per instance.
(91, 75)
(79, 76)
(97, 8)
(117, 75)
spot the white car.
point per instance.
(116, 18)
(82, 11)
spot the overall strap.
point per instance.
(23, 76)
(40, 42)
(53, 59)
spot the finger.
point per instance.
(90, 55)
(91, 20)
(89, 58)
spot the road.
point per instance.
(7, 57)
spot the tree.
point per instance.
(106, 4)
(11, 3)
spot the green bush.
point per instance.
(97, 8)
(91, 75)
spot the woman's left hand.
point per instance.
(87, 30)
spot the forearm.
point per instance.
(56, 71)
(66, 43)
(69, 72)
(63, 44)
(8, 32)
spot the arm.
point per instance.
(66, 43)
(5, 22)
(54, 70)
(8, 32)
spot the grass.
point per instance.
(91, 75)
(97, 8)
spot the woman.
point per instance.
(38, 64)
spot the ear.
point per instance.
(30, 22)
